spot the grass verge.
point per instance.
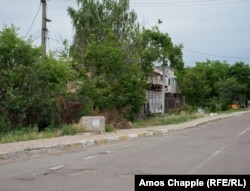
(33, 134)
(166, 119)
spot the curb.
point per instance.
(78, 145)
(84, 144)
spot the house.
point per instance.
(159, 81)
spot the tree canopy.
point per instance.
(29, 84)
(216, 84)
(95, 20)
(155, 46)
(115, 55)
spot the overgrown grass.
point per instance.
(166, 119)
(33, 134)
(109, 128)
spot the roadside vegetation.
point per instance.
(103, 72)
(26, 134)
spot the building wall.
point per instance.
(154, 100)
(154, 91)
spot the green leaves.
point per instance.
(216, 84)
(15, 51)
(230, 91)
(94, 20)
(29, 84)
(112, 83)
(115, 56)
(156, 46)
(195, 87)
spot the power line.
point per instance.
(33, 21)
(35, 39)
(62, 2)
(215, 55)
(159, 4)
(188, 3)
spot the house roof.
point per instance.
(169, 72)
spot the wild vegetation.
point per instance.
(216, 85)
(102, 73)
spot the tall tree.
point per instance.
(111, 83)
(215, 84)
(29, 84)
(155, 46)
(14, 50)
(115, 55)
(241, 72)
(95, 19)
(195, 87)
(230, 91)
(214, 71)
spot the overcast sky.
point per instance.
(208, 29)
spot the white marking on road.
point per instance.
(57, 167)
(90, 157)
(126, 146)
(104, 152)
(131, 136)
(241, 133)
(208, 159)
(152, 139)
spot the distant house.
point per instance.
(154, 92)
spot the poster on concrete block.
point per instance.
(96, 123)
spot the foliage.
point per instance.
(95, 19)
(14, 50)
(109, 128)
(215, 84)
(241, 72)
(29, 84)
(103, 46)
(105, 69)
(230, 91)
(32, 133)
(155, 46)
(195, 87)
(166, 120)
(111, 82)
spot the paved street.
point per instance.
(218, 147)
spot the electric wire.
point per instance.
(188, 3)
(165, 4)
(159, 4)
(215, 55)
(33, 21)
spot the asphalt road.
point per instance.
(220, 147)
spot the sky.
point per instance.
(208, 29)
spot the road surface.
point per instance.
(220, 147)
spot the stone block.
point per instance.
(92, 123)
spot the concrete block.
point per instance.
(92, 123)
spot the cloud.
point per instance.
(216, 30)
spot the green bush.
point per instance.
(109, 128)
(68, 130)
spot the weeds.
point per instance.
(33, 133)
(166, 119)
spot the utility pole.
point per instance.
(44, 25)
